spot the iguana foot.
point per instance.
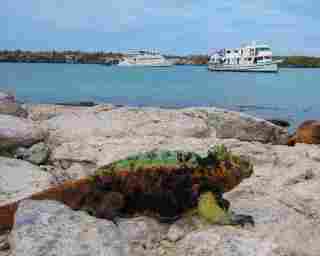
(210, 208)
(240, 219)
(223, 203)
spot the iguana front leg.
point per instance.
(209, 208)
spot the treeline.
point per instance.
(111, 57)
(299, 61)
(189, 59)
(199, 59)
(85, 57)
(58, 56)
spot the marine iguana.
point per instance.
(162, 184)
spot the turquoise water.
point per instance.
(292, 94)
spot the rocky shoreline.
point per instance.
(45, 145)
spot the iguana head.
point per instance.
(233, 171)
(223, 170)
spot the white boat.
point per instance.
(145, 58)
(253, 57)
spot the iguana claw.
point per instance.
(242, 220)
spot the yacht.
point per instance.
(145, 58)
(252, 57)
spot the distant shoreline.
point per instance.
(78, 57)
(111, 58)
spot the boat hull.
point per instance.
(266, 67)
(126, 64)
(129, 63)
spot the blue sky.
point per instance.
(177, 27)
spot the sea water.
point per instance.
(291, 94)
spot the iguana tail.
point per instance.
(70, 193)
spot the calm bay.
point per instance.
(291, 94)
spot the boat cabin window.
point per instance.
(236, 51)
(267, 57)
(228, 51)
(263, 49)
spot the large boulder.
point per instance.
(283, 195)
(98, 151)
(50, 228)
(283, 198)
(15, 131)
(230, 124)
(123, 122)
(95, 139)
(36, 154)
(9, 106)
(308, 132)
(41, 112)
(20, 179)
(5, 97)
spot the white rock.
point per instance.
(230, 124)
(19, 179)
(41, 112)
(50, 228)
(175, 233)
(124, 122)
(226, 243)
(144, 233)
(36, 154)
(101, 151)
(9, 106)
(15, 131)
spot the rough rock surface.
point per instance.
(4, 243)
(19, 179)
(15, 131)
(9, 106)
(36, 154)
(41, 112)
(98, 138)
(282, 195)
(143, 233)
(230, 124)
(225, 242)
(124, 122)
(98, 151)
(194, 122)
(76, 171)
(50, 228)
